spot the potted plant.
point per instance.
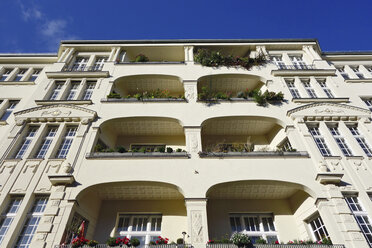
(135, 242)
(241, 240)
(161, 241)
(141, 58)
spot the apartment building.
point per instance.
(141, 139)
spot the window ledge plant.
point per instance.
(142, 96)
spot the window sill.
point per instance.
(252, 154)
(310, 72)
(78, 74)
(75, 102)
(3, 123)
(117, 155)
(134, 100)
(17, 83)
(359, 80)
(310, 100)
(329, 178)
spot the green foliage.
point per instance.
(211, 58)
(326, 241)
(180, 241)
(134, 242)
(121, 149)
(240, 239)
(160, 149)
(154, 94)
(178, 150)
(114, 95)
(98, 148)
(92, 243)
(169, 149)
(260, 241)
(141, 58)
(142, 149)
(111, 241)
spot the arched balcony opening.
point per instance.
(148, 87)
(139, 209)
(229, 86)
(269, 210)
(241, 135)
(141, 136)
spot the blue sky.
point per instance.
(39, 25)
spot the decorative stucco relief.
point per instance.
(197, 226)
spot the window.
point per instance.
(340, 141)
(73, 89)
(361, 141)
(255, 225)
(89, 90)
(277, 59)
(144, 227)
(79, 64)
(31, 223)
(319, 141)
(34, 75)
(8, 215)
(66, 142)
(286, 146)
(322, 83)
(9, 110)
(31, 132)
(342, 72)
(57, 90)
(47, 141)
(98, 64)
(292, 88)
(71, 229)
(368, 102)
(361, 217)
(5, 74)
(318, 228)
(20, 75)
(310, 91)
(298, 62)
(357, 72)
(369, 68)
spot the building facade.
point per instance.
(157, 144)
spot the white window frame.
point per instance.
(58, 85)
(278, 61)
(99, 62)
(20, 74)
(147, 234)
(47, 141)
(320, 141)
(66, 143)
(80, 63)
(34, 216)
(12, 104)
(90, 85)
(309, 89)
(246, 228)
(298, 61)
(5, 75)
(26, 142)
(340, 140)
(368, 102)
(341, 70)
(317, 227)
(74, 86)
(357, 72)
(323, 84)
(9, 214)
(34, 75)
(292, 88)
(361, 217)
(361, 140)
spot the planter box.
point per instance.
(135, 100)
(276, 246)
(252, 154)
(137, 155)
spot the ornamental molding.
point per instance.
(329, 112)
(57, 112)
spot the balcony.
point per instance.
(80, 71)
(140, 137)
(216, 246)
(147, 88)
(149, 55)
(244, 136)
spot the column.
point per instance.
(189, 54)
(191, 90)
(299, 85)
(350, 72)
(318, 90)
(68, 56)
(64, 90)
(193, 140)
(197, 221)
(339, 221)
(90, 62)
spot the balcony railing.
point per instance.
(124, 246)
(296, 67)
(81, 68)
(103, 155)
(276, 246)
(254, 154)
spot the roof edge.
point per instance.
(28, 54)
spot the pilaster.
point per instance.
(193, 140)
(189, 54)
(191, 90)
(197, 221)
